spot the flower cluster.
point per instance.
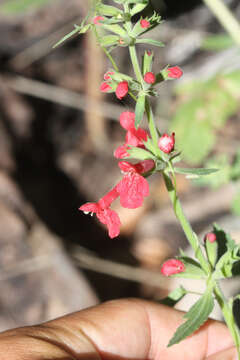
(133, 187)
(134, 137)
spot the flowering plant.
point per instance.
(144, 153)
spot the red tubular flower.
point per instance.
(149, 78)
(166, 143)
(133, 187)
(105, 87)
(103, 212)
(133, 137)
(144, 23)
(172, 266)
(174, 72)
(97, 19)
(122, 90)
(211, 237)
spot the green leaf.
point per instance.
(108, 40)
(69, 35)
(192, 270)
(147, 61)
(20, 6)
(108, 10)
(211, 251)
(138, 8)
(116, 29)
(139, 110)
(174, 297)
(150, 42)
(138, 153)
(198, 172)
(197, 316)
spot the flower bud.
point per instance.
(166, 143)
(172, 266)
(174, 72)
(211, 237)
(144, 23)
(107, 75)
(97, 19)
(122, 90)
(105, 87)
(149, 78)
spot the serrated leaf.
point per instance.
(150, 42)
(138, 8)
(197, 316)
(198, 172)
(174, 297)
(139, 110)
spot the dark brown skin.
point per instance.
(117, 330)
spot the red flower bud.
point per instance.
(149, 78)
(122, 90)
(144, 24)
(149, 52)
(105, 87)
(107, 76)
(172, 266)
(174, 72)
(211, 237)
(97, 19)
(166, 143)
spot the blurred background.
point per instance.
(57, 137)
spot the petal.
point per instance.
(120, 152)
(107, 199)
(144, 166)
(127, 119)
(126, 166)
(110, 218)
(90, 207)
(132, 189)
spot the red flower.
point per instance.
(107, 76)
(166, 143)
(122, 90)
(149, 52)
(103, 212)
(211, 237)
(133, 137)
(105, 87)
(149, 78)
(97, 19)
(174, 72)
(144, 24)
(172, 266)
(133, 187)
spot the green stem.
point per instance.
(226, 18)
(151, 123)
(191, 236)
(228, 316)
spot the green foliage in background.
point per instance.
(20, 6)
(204, 107)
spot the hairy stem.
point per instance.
(191, 236)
